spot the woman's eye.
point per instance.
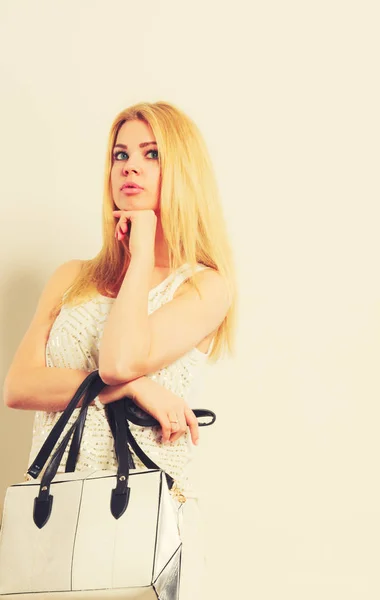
(116, 154)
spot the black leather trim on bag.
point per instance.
(42, 510)
(139, 417)
(120, 494)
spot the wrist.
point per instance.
(111, 393)
(134, 387)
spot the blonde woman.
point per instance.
(154, 306)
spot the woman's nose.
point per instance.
(130, 166)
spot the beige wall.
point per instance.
(287, 96)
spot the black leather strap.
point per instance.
(111, 417)
(144, 458)
(43, 503)
(91, 386)
(135, 415)
(121, 493)
(75, 443)
(138, 416)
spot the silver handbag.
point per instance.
(95, 533)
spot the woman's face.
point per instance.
(132, 163)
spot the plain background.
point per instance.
(287, 97)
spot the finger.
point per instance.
(118, 233)
(179, 428)
(121, 229)
(175, 433)
(192, 422)
(173, 418)
(165, 427)
(122, 213)
(174, 425)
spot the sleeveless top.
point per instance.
(73, 343)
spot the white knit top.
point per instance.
(73, 343)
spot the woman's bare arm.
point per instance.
(29, 383)
(50, 389)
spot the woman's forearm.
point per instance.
(126, 337)
(50, 389)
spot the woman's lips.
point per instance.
(131, 190)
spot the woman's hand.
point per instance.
(159, 402)
(171, 411)
(142, 229)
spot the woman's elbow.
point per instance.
(109, 378)
(10, 397)
(118, 376)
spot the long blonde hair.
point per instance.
(191, 215)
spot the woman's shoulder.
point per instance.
(205, 277)
(70, 269)
(65, 275)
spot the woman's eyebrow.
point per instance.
(142, 145)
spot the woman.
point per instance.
(165, 248)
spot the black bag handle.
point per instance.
(115, 410)
(91, 386)
(135, 415)
(139, 417)
(43, 503)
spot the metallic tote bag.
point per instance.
(95, 533)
